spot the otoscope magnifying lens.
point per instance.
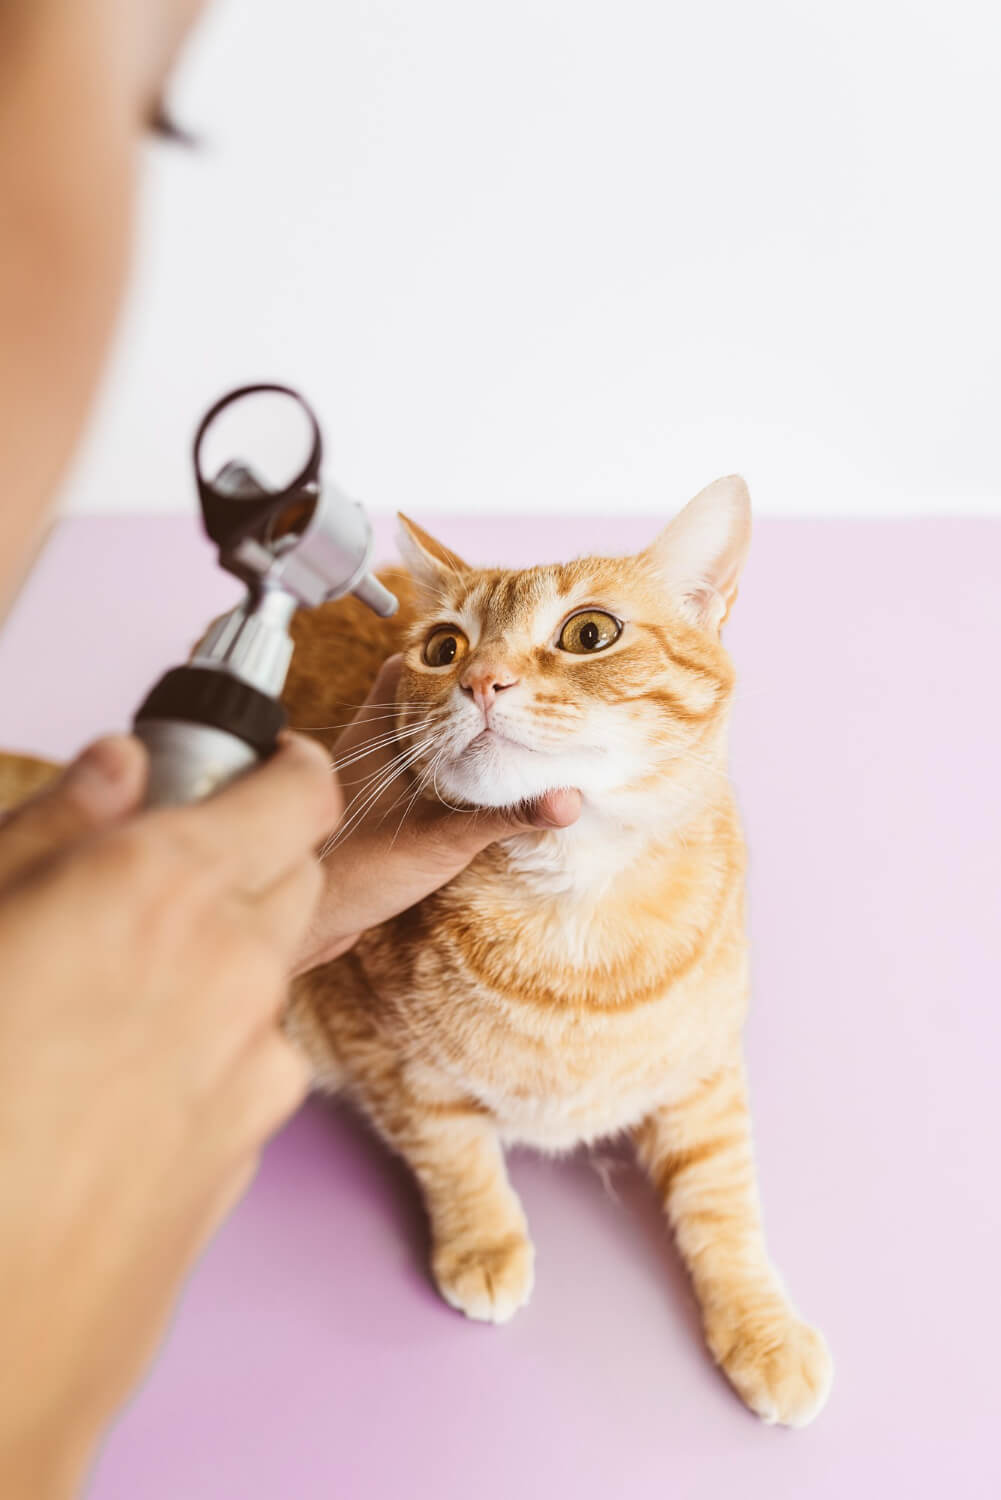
(268, 432)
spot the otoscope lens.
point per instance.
(266, 432)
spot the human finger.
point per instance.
(103, 784)
(269, 1082)
(265, 823)
(284, 913)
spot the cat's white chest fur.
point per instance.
(571, 872)
(579, 861)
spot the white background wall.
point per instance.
(566, 254)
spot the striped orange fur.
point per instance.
(576, 984)
(21, 776)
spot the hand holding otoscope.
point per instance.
(296, 545)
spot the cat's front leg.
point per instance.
(698, 1153)
(481, 1256)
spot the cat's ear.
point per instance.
(429, 562)
(700, 554)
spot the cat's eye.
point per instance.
(445, 646)
(591, 630)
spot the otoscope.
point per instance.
(295, 546)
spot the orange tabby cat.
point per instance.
(572, 984)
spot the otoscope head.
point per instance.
(303, 536)
(292, 542)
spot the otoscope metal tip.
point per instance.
(371, 592)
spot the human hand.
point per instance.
(144, 960)
(390, 852)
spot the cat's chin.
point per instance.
(498, 773)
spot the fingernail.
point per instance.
(105, 763)
(104, 780)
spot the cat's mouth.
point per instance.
(492, 736)
(497, 768)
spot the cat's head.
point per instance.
(602, 674)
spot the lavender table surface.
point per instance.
(310, 1357)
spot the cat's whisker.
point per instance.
(375, 793)
(422, 782)
(382, 736)
(392, 710)
(368, 799)
(364, 783)
(354, 704)
(376, 742)
(385, 735)
(382, 769)
(434, 783)
(361, 780)
(358, 781)
(345, 724)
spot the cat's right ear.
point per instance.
(699, 555)
(428, 561)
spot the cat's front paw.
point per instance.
(487, 1280)
(778, 1365)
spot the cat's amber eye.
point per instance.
(445, 646)
(591, 630)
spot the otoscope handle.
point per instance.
(190, 761)
(203, 727)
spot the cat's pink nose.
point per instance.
(484, 681)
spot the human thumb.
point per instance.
(555, 810)
(104, 783)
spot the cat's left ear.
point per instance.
(700, 554)
(428, 560)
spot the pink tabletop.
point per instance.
(311, 1359)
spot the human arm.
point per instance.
(144, 960)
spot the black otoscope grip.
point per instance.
(202, 728)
